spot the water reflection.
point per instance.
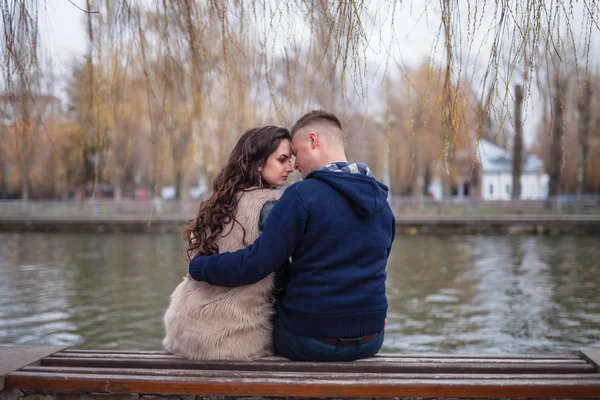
(513, 294)
(87, 290)
(468, 294)
(431, 291)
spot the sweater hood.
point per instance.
(365, 193)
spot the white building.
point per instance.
(496, 174)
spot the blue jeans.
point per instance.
(304, 348)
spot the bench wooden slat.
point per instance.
(408, 367)
(368, 360)
(304, 388)
(377, 356)
(471, 360)
(118, 355)
(482, 356)
(300, 375)
(142, 352)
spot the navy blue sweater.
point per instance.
(338, 229)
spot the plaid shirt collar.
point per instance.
(353, 168)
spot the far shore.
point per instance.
(492, 224)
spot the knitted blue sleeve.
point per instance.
(273, 248)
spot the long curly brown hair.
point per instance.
(240, 174)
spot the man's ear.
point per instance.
(314, 139)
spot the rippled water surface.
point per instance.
(463, 294)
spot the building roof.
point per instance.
(496, 159)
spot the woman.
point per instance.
(205, 322)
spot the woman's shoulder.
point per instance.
(264, 213)
(252, 201)
(255, 204)
(256, 198)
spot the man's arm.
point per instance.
(282, 233)
(389, 250)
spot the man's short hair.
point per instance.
(316, 116)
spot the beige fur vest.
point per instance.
(205, 322)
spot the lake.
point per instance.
(447, 294)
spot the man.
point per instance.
(338, 228)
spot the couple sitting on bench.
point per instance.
(311, 287)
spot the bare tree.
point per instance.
(227, 52)
(584, 107)
(517, 145)
(21, 76)
(556, 152)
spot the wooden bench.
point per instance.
(385, 376)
